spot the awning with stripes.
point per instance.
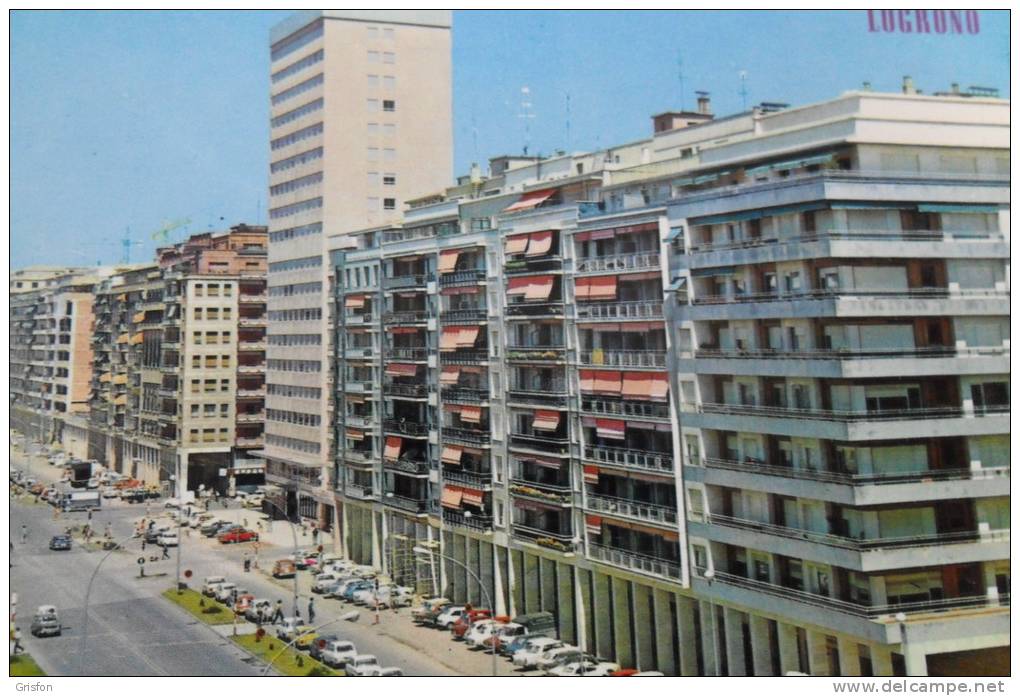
(610, 428)
(393, 445)
(452, 496)
(540, 243)
(546, 420)
(449, 375)
(531, 199)
(448, 260)
(451, 454)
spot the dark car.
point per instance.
(133, 495)
(217, 527)
(315, 650)
(61, 542)
(152, 535)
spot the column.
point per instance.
(474, 593)
(789, 656)
(665, 625)
(881, 660)
(581, 599)
(849, 658)
(532, 593)
(376, 563)
(345, 548)
(622, 611)
(818, 658)
(761, 646)
(497, 580)
(644, 624)
(709, 642)
(384, 556)
(516, 570)
(566, 603)
(603, 625)
(734, 642)
(688, 648)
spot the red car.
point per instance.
(461, 625)
(235, 536)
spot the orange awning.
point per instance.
(354, 301)
(123, 338)
(610, 428)
(636, 385)
(467, 336)
(587, 380)
(403, 330)
(105, 377)
(138, 317)
(461, 290)
(451, 497)
(516, 244)
(393, 445)
(608, 381)
(602, 288)
(137, 338)
(354, 398)
(448, 260)
(531, 199)
(449, 375)
(518, 286)
(401, 370)
(539, 288)
(472, 496)
(658, 386)
(591, 474)
(120, 400)
(471, 414)
(582, 288)
(546, 420)
(451, 454)
(355, 434)
(449, 338)
(120, 379)
(593, 524)
(540, 244)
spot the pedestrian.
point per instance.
(24, 533)
(278, 614)
(311, 611)
(18, 647)
(109, 531)
(166, 553)
(90, 516)
(143, 543)
(244, 522)
(315, 535)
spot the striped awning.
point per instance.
(451, 497)
(546, 420)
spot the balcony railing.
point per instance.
(751, 466)
(243, 417)
(465, 394)
(552, 394)
(418, 280)
(535, 492)
(632, 509)
(637, 409)
(854, 608)
(353, 490)
(475, 437)
(252, 321)
(414, 391)
(405, 427)
(849, 353)
(639, 309)
(461, 518)
(555, 445)
(849, 235)
(658, 462)
(359, 318)
(251, 345)
(356, 421)
(840, 415)
(359, 352)
(463, 356)
(536, 353)
(414, 505)
(251, 369)
(416, 353)
(468, 276)
(473, 315)
(551, 262)
(475, 479)
(250, 442)
(604, 357)
(849, 294)
(253, 299)
(534, 309)
(559, 540)
(408, 317)
(251, 393)
(619, 262)
(360, 457)
(414, 467)
(634, 561)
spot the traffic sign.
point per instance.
(141, 561)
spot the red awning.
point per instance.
(448, 339)
(401, 370)
(405, 330)
(472, 496)
(645, 275)
(539, 288)
(462, 290)
(640, 327)
(608, 381)
(593, 524)
(582, 288)
(471, 414)
(355, 434)
(451, 454)
(595, 234)
(546, 420)
(518, 286)
(516, 244)
(451, 497)
(467, 335)
(548, 463)
(610, 428)
(449, 375)
(448, 260)
(541, 243)
(636, 385)
(591, 474)
(587, 380)
(531, 199)
(633, 229)
(659, 386)
(393, 445)
(354, 301)
(602, 288)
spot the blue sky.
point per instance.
(128, 119)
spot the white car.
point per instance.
(396, 597)
(211, 583)
(528, 656)
(290, 627)
(573, 668)
(560, 656)
(338, 653)
(389, 672)
(168, 538)
(479, 631)
(225, 592)
(448, 616)
(323, 581)
(602, 669)
(364, 598)
(362, 666)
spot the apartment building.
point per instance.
(358, 99)
(51, 352)
(732, 399)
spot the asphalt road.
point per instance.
(134, 631)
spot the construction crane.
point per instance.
(163, 233)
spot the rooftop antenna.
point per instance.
(680, 76)
(526, 114)
(743, 90)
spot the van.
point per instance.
(284, 568)
(539, 623)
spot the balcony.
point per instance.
(847, 294)
(359, 386)
(549, 263)
(467, 356)
(632, 509)
(640, 309)
(251, 369)
(604, 357)
(405, 318)
(637, 409)
(467, 436)
(252, 321)
(462, 518)
(243, 417)
(751, 466)
(648, 565)
(353, 490)
(246, 346)
(559, 541)
(250, 442)
(251, 393)
(406, 427)
(539, 354)
(531, 310)
(411, 467)
(475, 315)
(848, 235)
(539, 443)
(359, 318)
(534, 492)
(407, 391)
(551, 392)
(638, 460)
(474, 479)
(466, 395)
(359, 352)
(415, 354)
(841, 415)
(471, 276)
(252, 299)
(418, 280)
(412, 505)
(359, 458)
(356, 421)
(619, 262)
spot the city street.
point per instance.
(134, 631)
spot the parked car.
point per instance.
(574, 668)
(482, 630)
(351, 588)
(289, 628)
(322, 581)
(200, 520)
(45, 622)
(602, 669)
(396, 597)
(60, 542)
(460, 627)
(210, 583)
(284, 568)
(215, 527)
(503, 634)
(448, 616)
(320, 644)
(429, 609)
(528, 656)
(362, 666)
(243, 602)
(237, 535)
(539, 623)
(389, 672)
(366, 596)
(225, 592)
(560, 656)
(253, 501)
(305, 639)
(338, 653)
(168, 538)
(109, 492)
(263, 607)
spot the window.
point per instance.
(389, 105)
(224, 385)
(194, 386)
(389, 204)
(196, 337)
(389, 83)
(194, 410)
(389, 154)
(389, 57)
(196, 361)
(389, 179)
(373, 154)
(210, 386)
(213, 313)
(373, 81)
(224, 410)
(373, 129)
(228, 290)
(373, 56)
(210, 410)
(373, 105)
(227, 311)
(389, 129)
(224, 361)
(700, 558)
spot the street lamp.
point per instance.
(422, 551)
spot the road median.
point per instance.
(287, 661)
(202, 608)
